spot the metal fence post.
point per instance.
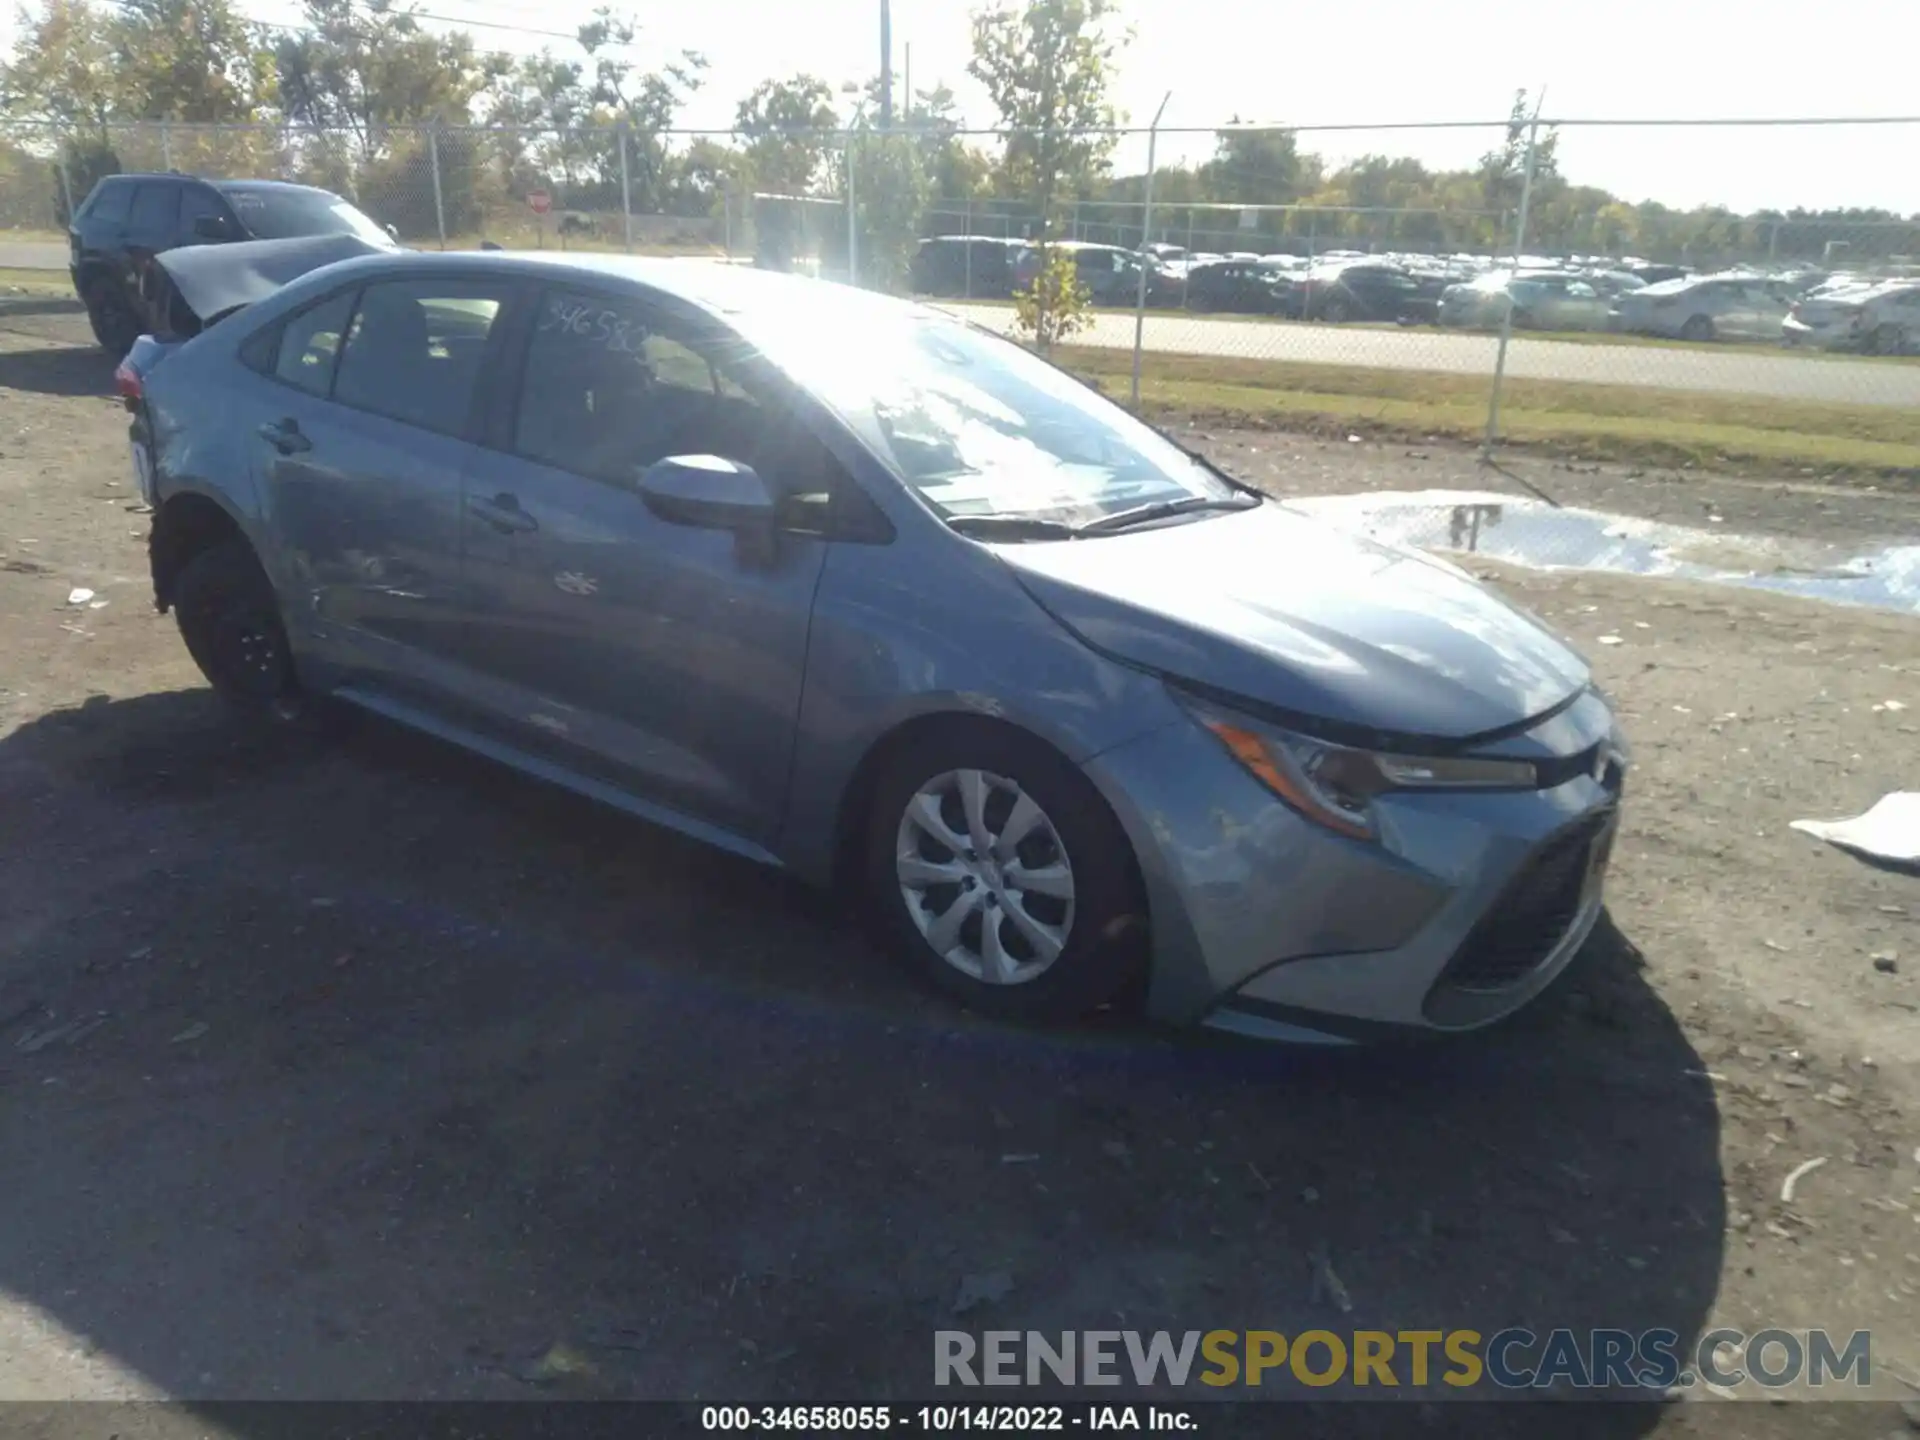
(626, 190)
(853, 219)
(1519, 247)
(66, 187)
(1146, 231)
(166, 145)
(966, 228)
(439, 207)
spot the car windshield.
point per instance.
(287, 214)
(977, 426)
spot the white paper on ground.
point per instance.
(1889, 831)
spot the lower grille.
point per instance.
(1532, 914)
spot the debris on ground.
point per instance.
(79, 595)
(192, 1032)
(557, 1362)
(978, 1290)
(69, 1033)
(1327, 1285)
(1889, 832)
(1886, 962)
(1795, 1176)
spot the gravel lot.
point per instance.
(353, 1067)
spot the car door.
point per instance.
(1585, 309)
(153, 225)
(662, 658)
(205, 218)
(362, 421)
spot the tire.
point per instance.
(1697, 328)
(1101, 929)
(1336, 311)
(1887, 340)
(114, 323)
(230, 620)
(1522, 320)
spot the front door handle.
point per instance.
(504, 514)
(284, 436)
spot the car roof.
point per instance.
(713, 285)
(286, 186)
(184, 175)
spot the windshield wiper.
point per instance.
(1163, 509)
(1011, 527)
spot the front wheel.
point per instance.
(1336, 311)
(1887, 340)
(229, 618)
(996, 870)
(1697, 328)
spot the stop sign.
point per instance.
(540, 202)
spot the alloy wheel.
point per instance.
(985, 876)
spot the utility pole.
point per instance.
(886, 65)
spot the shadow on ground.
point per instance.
(406, 1070)
(63, 370)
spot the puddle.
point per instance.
(1530, 532)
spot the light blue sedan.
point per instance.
(846, 586)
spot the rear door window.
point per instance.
(156, 209)
(415, 348)
(310, 345)
(197, 201)
(110, 203)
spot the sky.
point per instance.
(1393, 62)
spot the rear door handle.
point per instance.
(284, 436)
(504, 514)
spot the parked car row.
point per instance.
(1799, 306)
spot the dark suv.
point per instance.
(128, 219)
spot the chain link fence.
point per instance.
(1499, 308)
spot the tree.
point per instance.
(645, 102)
(956, 170)
(62, 72)
(787, 125)
(1503, 171)
(199, 61)
(366, 68)
(1046, 66)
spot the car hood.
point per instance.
(1286, 611)
(216, 279)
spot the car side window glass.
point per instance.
(414, 350)
(156, 209)
(113, 204)
(197, 201)
(310, 344)
(1582, 291)
(611, 386)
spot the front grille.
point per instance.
(1532, 914)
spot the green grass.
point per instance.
(39, 282)
(1591, 422)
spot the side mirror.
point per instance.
(709, 493)
(211, 227)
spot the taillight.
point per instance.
(126, 383)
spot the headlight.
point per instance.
(1336, 785)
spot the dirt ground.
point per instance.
(356, 1068)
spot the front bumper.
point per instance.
(1269, 925)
